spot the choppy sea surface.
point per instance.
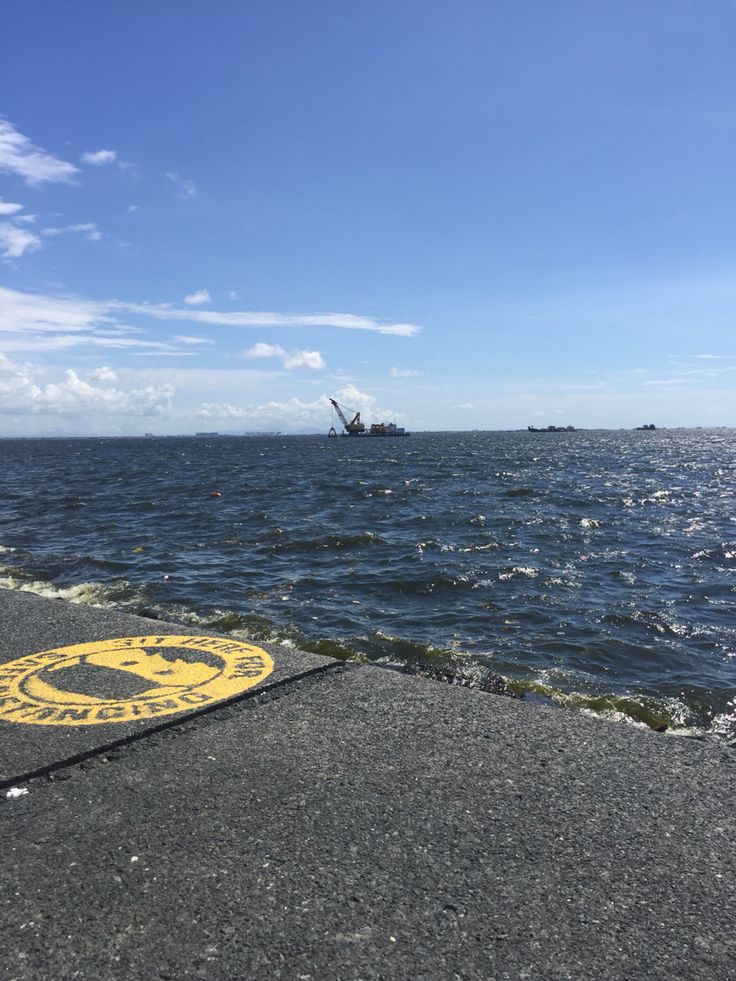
(592, 570)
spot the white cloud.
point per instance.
(32, 322)
(221, 410)
(304, 359)
(16, 382)
(132, 208)
(162, 353)
(351, 395)
(249, 318)
(88, 229)
(19, 156)
(28, 321)
(74, 395)
(100, 157)
(667, 382)
(14, 241)
(104, 374)
(44, 397)
(290, 359)
(187, 339)
(293, 413)
(232, 295)
(37, 343)
(714, 357)
(22, 392)
(57, 310)
(402, 372)
(185, 187)
(262, 350)
(135, 345)
(197, 298)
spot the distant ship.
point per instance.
(357, 428)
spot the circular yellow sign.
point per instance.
(169, 673)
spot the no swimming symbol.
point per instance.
(126, 679)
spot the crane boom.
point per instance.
(338, 410)
(353, 428)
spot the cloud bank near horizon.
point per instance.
(99, 401)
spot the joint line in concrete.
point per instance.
(171, 723)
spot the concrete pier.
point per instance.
(303, 818)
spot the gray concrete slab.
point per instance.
(360, 824)
(59, 700)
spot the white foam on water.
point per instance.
(695, 525)
(724, 725)
(520, 570)
(613, 715)
(86, 593)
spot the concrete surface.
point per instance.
(31, 625)
(350, 822)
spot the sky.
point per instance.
(448, 213)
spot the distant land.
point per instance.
(319, 432)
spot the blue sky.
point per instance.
(455, 214)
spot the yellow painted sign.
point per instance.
(81, 685)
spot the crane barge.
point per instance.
(357, 428)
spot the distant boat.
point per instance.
(386, 429)
(357, 428)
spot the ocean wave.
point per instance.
(432, 544)
(661, 714)
(480, 543)
(382, 646)
(519, 570)
(590, 523)
(98, 594)
(335, 543)
(520, 492)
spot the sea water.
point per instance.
(592, 570)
